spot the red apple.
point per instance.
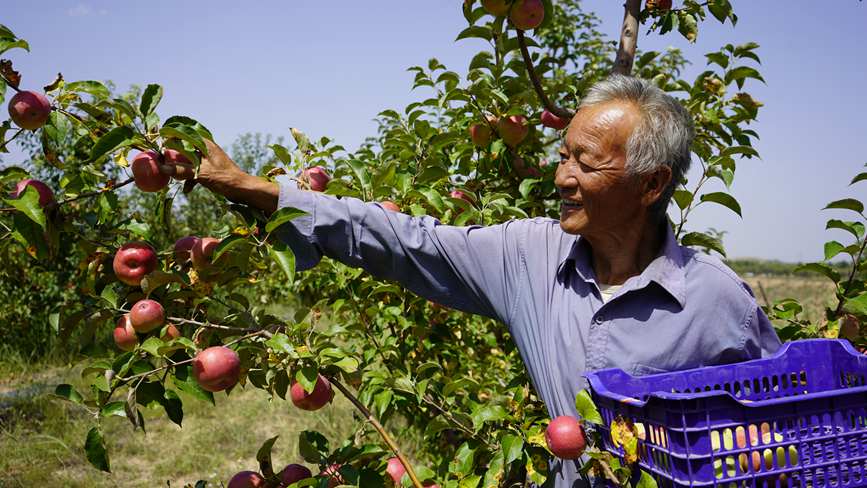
(316, 399)
(497, 8)
(553, 121)
(183, 248)
(527, 14)
(658, 4)
(480, 134)
(46, 196)
(396, 470)
(202, 251)
(147, 315)
(29, 109)
(247, 479)
(146, 172)
(523, 169)
(124, 334)
(217, 368)
(294, 473)
(332, 472)
(513, 129)
(849, 328)
(389, 205)
(317, 177)
(170, 333)
(133, 261)
(565, 437)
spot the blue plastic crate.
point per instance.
(798, 418)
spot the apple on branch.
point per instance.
(247, 479)
(513, 129)
(46, 196)
(314, 400)
(217, 368)
(29, 109)
(133, 261)
(147, 315)
(146, 172)
(124, 334)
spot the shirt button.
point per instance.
(599, 319)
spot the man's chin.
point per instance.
(570, 227)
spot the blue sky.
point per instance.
(329, 67)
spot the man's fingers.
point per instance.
(178, 171)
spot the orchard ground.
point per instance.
(40, 435)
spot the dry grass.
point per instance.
(814, 293)
(41, 439)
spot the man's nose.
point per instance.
(564, 179)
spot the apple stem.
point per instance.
(537, 85)
(376, 425)
(628, 39)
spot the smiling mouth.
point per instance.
(570, 205)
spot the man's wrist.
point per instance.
(257, 192)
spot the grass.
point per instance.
(41, 438)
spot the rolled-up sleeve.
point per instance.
(472, 268)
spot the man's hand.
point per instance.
(218, 173)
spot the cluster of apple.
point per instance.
(294, 473)
(524, 14)
(30, 110)
(513, 130)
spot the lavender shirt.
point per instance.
(685, 310)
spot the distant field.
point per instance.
(813, 292)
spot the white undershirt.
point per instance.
(608, 291)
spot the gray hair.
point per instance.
(662, 137)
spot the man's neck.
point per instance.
(618, 257)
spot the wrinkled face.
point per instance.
(598, 197)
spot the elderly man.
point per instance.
(606, 286)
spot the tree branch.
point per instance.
(537, 85)
(376, 425)
(628, 39)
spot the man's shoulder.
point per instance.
(711, 272)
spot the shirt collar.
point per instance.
(667, 269)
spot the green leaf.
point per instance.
(720, 9)
(174, 407)
(28, 204)
(854, 228)
(150, 99)
(113, 140)
(94, 448)
(279, 342)
(748, 151)
(718, 58)
(282, 153)
(586, 408)
(263, 455)
(687, 26)
(488, 413)
(285, 259)
(68, 392)
(646, 481)
(307, 376)
(95, 88)
(116, 409)
(513, 447)
(859, 177)
(282, 216)
(741, 73)
(857, 305)
(7, 44)
(706, 241)
(312, 446)
(185, 382)
(822, 269)
(227, 245)
(723, 199)
(846, 204)
(478, 31)
(683, 198)
(184, 133)
(152, 345)
(833, 248)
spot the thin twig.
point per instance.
(764, 295)
(97, 192)
(537, 85)
(628, 39)
(376, 425)
(7, 141)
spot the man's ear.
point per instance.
(654, 184)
